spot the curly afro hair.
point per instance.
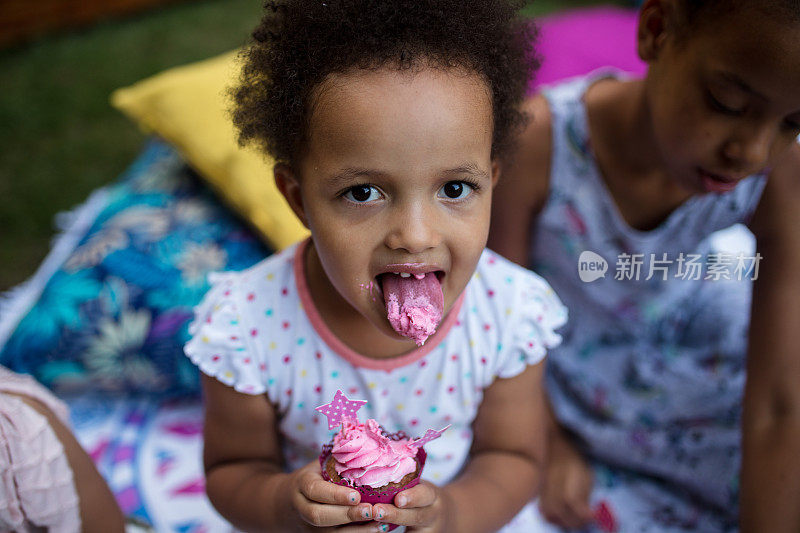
(298, 43)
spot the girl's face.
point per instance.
(396, 177)
(724, 100)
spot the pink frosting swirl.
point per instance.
(365, 457)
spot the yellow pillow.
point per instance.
(188, 107)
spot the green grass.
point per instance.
(60, 139)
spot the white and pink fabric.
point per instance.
(37, 489)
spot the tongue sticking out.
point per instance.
(414, 305)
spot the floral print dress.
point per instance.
(650, 374)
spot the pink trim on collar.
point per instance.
(350, 355)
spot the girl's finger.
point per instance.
(576, 501)
(352, 528)
(557, 513)
(581, 511)
(554, 517)
(324, 515)
(417, 516)
(570, 520)
(563, 514)
(422, 495)
(317, 489)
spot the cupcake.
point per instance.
(366, 457)
(376, 463)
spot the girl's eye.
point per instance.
(361, 194)
(792, 125)
(456, 190)
(723, 108)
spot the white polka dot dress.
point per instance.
(259, 332)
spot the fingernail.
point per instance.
(402, 501)
(353, 497)
(365, 512)
(384, 527)
(380, 514)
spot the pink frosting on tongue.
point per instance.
(414, 305)
(365, 457)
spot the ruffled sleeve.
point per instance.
(531, 331)
(219, 344)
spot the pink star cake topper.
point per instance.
(341, 408)
(429, 436)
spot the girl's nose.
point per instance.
(750, 149)
(414, 229)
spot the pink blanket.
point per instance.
(577, 42)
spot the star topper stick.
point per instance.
(429, 436)
(341, 408)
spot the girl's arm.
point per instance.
(504, 468)
(245, 480)
(98, 509)
(770, 483)
(567, 480)
(522, 188)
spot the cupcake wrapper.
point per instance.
(368, 494)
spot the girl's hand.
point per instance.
(422, 508)
(320, 504)
(566, 486)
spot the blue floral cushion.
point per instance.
(114, 316)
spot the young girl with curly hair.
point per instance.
(386, 119)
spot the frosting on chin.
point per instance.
(365, 457)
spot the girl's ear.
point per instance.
(495, 172)
(656, 20)
(288, 184)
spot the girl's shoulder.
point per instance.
(509, 318)
(258, 277)
(239, 311)
(776, 217)
(572, 91)
(267, 288)
(524, 181)
(498, 282)
(585, 110)
(514, 300)
(553, 133)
